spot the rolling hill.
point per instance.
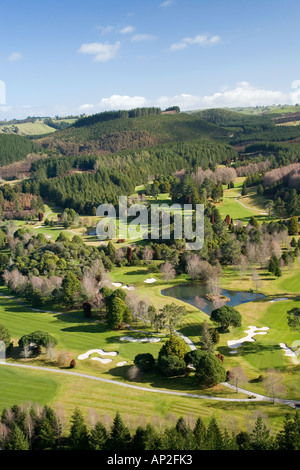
(119, 134)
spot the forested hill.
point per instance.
(109, 136)
(248, 128)
(15, 148)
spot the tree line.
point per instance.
(36, 427)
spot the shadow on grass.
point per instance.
(249, 348)
(157, 380)
(138, 272)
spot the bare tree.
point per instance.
(26, 352)
(29, 428)
(134, 374)
(273, 383)
(168, 272)
(93, 417)
(237, 376)
(147, 254)
(256, 280)
(243, 266)
(193, 266)
(60, 421)
(63, 359)
(51, 352)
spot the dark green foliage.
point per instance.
(5, 336)
(293, 318)
(289, 437)
(33, 296)
(199, 432)
(17, 439)
(210, 371)
(44, 431)
(174, 346)
(98, 437)
(274, 266)
(70, 286)
(171, 365)
(260, 436)
(40, 338)
(193, 357)
(15, 148)
(119, 438)
(115, 313)
(226, 316)
(293, 226)
(144, 362)
(78, 436)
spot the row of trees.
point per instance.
(43, 428)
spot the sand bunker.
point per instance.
(123, 363)
(279, 300)
(103, 361)
(287, 351)
(150, 280)
(139, 340)
(97, 351)
(128, 287)
(252, 331)
(117, 284)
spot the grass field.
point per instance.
(234, 204)
(136, 407)
(38, 127)
(77, 335)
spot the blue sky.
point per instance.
(70, 57)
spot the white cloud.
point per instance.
(2, 92)
(106, 29)
(143, 37)
(296, 84)
(101, 51)
(167, 3)
(245, 94)
(200, 40)
(127, 30)
(15, 57)
(86, 107)
(123, 102)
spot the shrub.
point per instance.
(144, 362)
(87, 310)
(171, 365)
(175, 346)
(226, 316)
(73, 364)
(40, 338)
(210, 371)
(193, 357)
(5, 336)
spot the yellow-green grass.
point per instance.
(231, 206)
(137, 407)
(290, 123)
(29, 128)
(287, 284)
(265, 353)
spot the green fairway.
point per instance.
(20, 386)
(136, 407)
(265, 353)
(243, 207)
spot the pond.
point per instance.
(195, 294)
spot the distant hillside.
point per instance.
(271, 110)
(120, 134)
(15, 148)
(230, 118)
(35, 126)
(251, 128)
